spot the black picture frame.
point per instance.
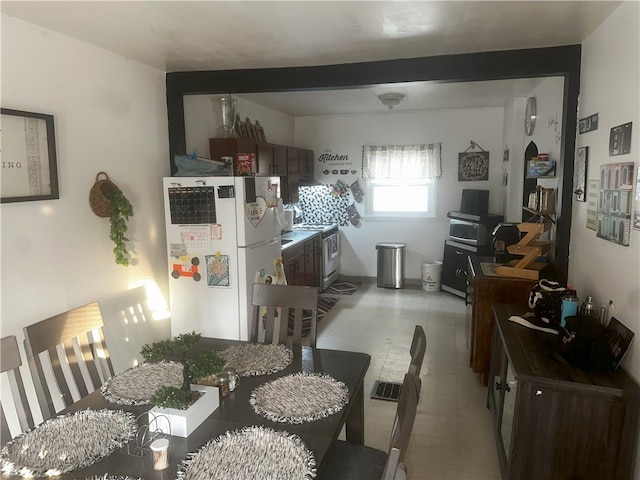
(473, 166)
(29, 162)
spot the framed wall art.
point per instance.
(473, 166)
(29, 165)
(580, 178)
(614, 202)
(620, 139)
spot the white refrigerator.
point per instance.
(223, 235)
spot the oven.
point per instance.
(330, 250)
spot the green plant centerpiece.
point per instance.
(197, 365)
(121, 210)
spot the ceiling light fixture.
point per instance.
(391, 99)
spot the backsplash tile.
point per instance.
(320, 206)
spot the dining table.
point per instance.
(235, 412)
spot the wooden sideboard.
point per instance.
(484, 290)
(555, 421)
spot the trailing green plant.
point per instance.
(196, 364)
(121, 210)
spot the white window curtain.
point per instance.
(401, 161)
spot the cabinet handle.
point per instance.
(458, 252)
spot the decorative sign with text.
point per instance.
(588, 124)
(473, 166)
(336, 164)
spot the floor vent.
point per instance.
(386, 391)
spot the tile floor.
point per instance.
(452, 436)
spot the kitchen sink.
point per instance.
(284, 241)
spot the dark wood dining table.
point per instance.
(235, 412)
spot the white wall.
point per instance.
(514, 167)
(609, 87)
(110, 115)
(202, 116)
(346, 134)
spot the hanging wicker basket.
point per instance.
(100, 203)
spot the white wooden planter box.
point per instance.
(184, 422)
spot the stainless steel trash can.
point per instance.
(390, 265)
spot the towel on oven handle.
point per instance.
(333, 245)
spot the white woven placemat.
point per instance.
(136, 385)
(106, 476)
(250, 453)
(68, 442)
(301, 397)
(251, 359)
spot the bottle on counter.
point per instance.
(588, 308)
(569, 306)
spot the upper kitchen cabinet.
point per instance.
(290, 163)
(230, 147)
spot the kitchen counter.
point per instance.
(296, 237)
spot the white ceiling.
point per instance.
(222, 35)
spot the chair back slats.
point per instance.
(5, 433)
(403, 424)
(10, 363)
(417, 350)
(53, 331)
(70, 342)
(292, 301)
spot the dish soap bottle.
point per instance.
(587, 308)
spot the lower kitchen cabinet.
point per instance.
(301, 262)
(552, 420)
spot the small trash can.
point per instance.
(390, 265)
(431, 272)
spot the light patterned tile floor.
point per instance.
(452, 436)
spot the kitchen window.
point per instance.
(401, 180)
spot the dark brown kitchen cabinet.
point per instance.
(289, 163)
(301, 262)
(230, 147)
(293, 173)
(552, 420)
(293, 263)
(487, 290)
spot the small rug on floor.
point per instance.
(324, 305)
(343, 287)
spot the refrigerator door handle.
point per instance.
(269, 241)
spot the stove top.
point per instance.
(325, 228)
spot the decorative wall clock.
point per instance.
(530, 116)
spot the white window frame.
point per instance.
(401, 215)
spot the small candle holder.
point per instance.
(223, 385)
(232, 376)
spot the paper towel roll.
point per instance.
(280, 217)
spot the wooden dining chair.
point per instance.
(275, 306)
(70, 341)
(10, 364)
(417, 350)
(129, 325)
(351, 461)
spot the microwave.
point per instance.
(472, 233)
